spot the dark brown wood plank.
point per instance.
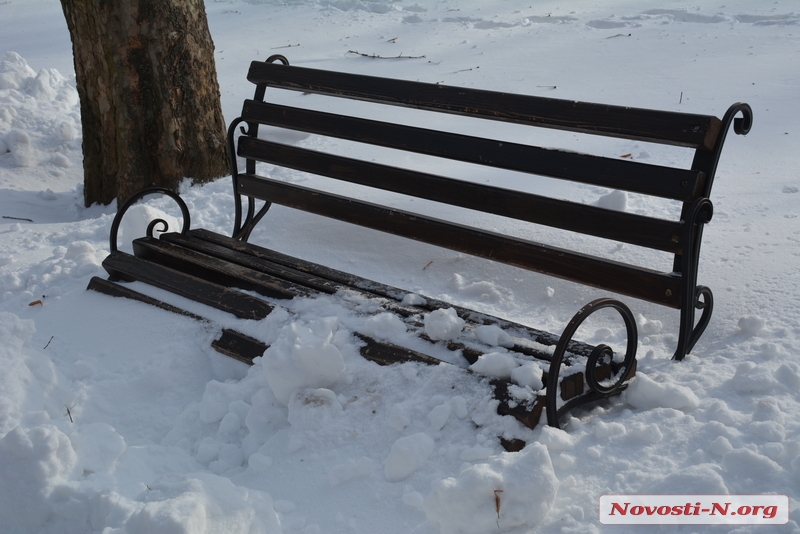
(384, 353)
(239, 346)
(682, 129)
(230, 254)
(665, 182)
(624, 227)
(215, 270)
(230, 343)
(298, 264)
(107, 287)
(645, 284)
(527, 413)
(122, 266)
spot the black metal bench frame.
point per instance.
(676, 289)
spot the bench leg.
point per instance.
(689, 332)
(596, 389)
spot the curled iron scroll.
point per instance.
(600, 352)
(152, 225)
(741, 125)
(708, 161)
(277, 57)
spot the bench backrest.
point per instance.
(704, 134)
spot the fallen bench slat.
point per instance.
(230, 343)
(122, 266)
(682, 129)
(630, 228)
(107, 287)
(633, 176)
(636, 282)
(239, 346)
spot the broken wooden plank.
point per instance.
(129, 268)
(239, 346)
(107, 287)
(231, 343)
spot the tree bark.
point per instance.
(150, 103)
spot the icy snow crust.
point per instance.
(119, 418)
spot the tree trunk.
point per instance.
(150, 103)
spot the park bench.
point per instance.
(224, 272)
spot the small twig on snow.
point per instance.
(48, 342)
(286, 46)
(497, 503)
(376, 56)
(17, 218)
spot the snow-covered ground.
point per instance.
(117, 417)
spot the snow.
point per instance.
(443, 324)
(116, 417)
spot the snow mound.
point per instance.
(384, 326)
(645, 393)
(497, 364)
(202, 504)
(443, 325)
(494, 335)
(39, 115)
(407, 455)
(751, 324)
(510, 490)
(304, 357)
(33, 464)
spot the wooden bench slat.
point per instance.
(239, 346)
(313, 269)
(665, 182)
(123, 266)
(591, 220)
(230, 343)
(113, 289)
(233, 256)
(220, 271)
(667, 127)
(637, 282)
